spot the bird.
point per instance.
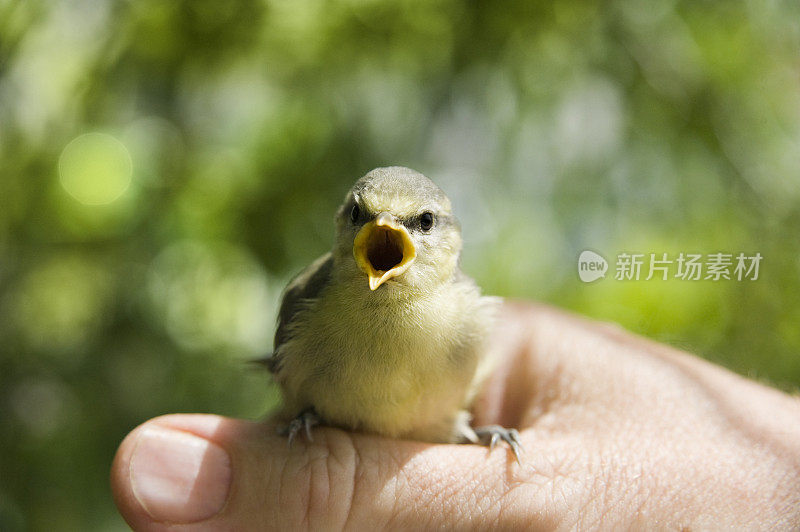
(385, 334)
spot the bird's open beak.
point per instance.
(383, 249)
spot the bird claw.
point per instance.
(495, 433)
(304, 421)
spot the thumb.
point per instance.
(210, 472)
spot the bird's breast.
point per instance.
(384, 369)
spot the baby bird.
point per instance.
(385, 334)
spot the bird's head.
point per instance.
(396, 227)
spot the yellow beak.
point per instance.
(383, 249)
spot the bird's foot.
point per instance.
(491, 434)
(304, 421)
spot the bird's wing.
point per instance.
(306, 285)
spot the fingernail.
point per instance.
(179, 477)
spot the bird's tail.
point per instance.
(268, 361)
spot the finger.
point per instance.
(534, 349)
(213, 473)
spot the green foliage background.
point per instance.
(233, 130)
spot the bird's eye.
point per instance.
(426, 221)
(355, 212)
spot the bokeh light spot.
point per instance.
(213, 297)
(95, 168)
(60, 305)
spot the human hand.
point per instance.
(618, 432)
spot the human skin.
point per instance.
(618, 432)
